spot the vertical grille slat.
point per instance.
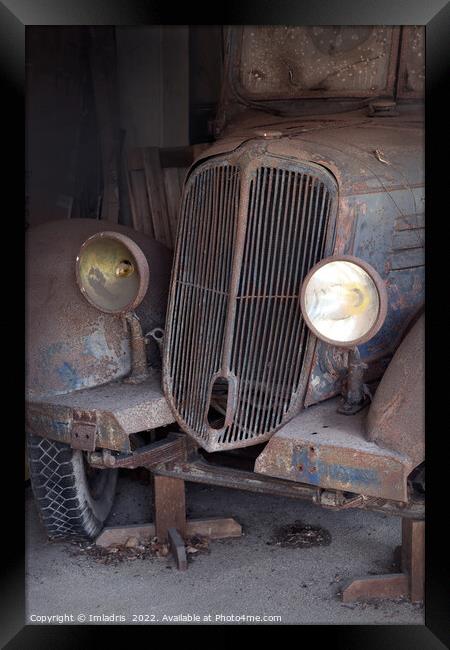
(271, 376)
(248, 235)
(260, 375)
(205, 256)
(266, 272)
(195, 269)
(181, 295)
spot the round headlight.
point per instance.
(343, 301)
(112, 272)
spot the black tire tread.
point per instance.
(61, 507)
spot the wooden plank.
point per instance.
(156, 195)
(140, 208)
(155, 208)
(118, 535)
(173, 197)
(394, 585)
(135, 217)
(213, 528)
(169, 505)
(178, 548)
(137, 190)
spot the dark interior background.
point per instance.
(113, 112)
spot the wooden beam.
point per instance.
(413, 557)
(169, 506)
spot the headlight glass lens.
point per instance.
(341, 302)
(112, 272)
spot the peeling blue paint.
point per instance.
(355, 479)
(96, 363)
(69, 376)
(356, 476)
(95, 345)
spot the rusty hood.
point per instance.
(378, 163)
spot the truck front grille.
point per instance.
(249, 231)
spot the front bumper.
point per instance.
(114, 411)
(327, 449)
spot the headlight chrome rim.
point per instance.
(141, 267)
(380, 288)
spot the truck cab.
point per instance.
(304, 218)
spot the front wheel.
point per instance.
(73, 499)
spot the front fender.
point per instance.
(396, 418)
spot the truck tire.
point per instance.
(73, 499)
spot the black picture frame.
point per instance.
(15, 16)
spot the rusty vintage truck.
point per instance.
(292, 352)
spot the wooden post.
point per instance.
(169, 506)
(413, 556)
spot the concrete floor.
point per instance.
(245, 576)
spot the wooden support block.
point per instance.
(215, 528)
(394, 585)
(178, 548)
(410, 583)
(413, 556)
(169, 505)
(118, 535)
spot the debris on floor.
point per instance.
(197, 544)
(300, 535)
(135, 549)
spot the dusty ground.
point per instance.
(250, 576)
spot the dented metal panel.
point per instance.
(396, 419)
(285, 62)
(318, 70)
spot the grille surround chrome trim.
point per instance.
(247, 160)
